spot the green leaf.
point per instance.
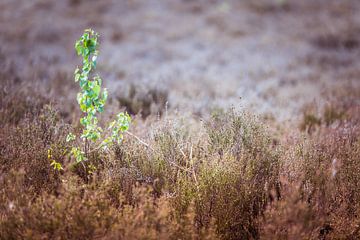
(57, 166)
(79, 158)
(100, 109)
(78, 48)
(77, 77)
(105, 95)
(93, 59)
(96, 90)
(111, 125)
(83, 107)
(70, 137)
(79, 97)
(83, 121)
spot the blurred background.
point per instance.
(272, 57)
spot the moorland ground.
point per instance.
(250, 110)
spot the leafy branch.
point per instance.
(91, 100)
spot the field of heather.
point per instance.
(180, 119)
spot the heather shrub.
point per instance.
(224, 177)
(18, 101)
(154, 219)
(62, 216)
(32, 145)
(228, 190)
(310, 120)
(59, 216)
(290, 217)
(341, 106)
(331, 169)
(19, 97)
(223, 183)
(321, 198)
(144, 101)
(248, 144)
(158, 165)
(235, 184)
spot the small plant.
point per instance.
(91, 100)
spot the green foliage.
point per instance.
(117, 127)
(57, 166)
(70, 137)
(78, 154)
(92, 99)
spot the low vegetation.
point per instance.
(226, 177)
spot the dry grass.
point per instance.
(320, 184)
(225, 177)
(227, 180)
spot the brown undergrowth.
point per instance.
(228, 179)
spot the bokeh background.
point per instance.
(272, 57)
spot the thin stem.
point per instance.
(86, 140)
(141, 141)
